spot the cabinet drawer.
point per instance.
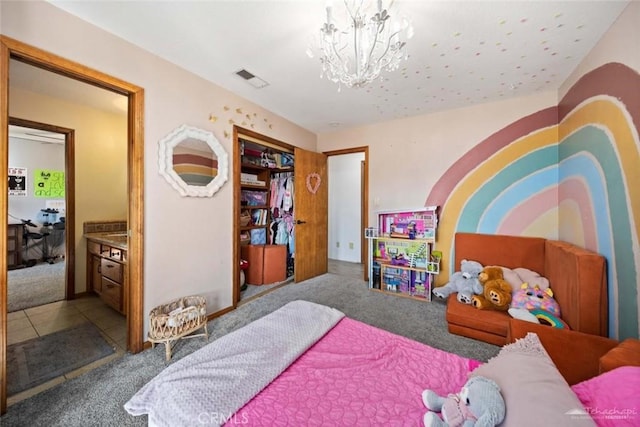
(111, 270)
(93, 247)
(115, 253)
(111, 293)
(105, 250)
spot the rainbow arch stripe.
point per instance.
(571, 173)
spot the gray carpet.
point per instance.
(254, 290)
(38, 360)
(97, 398)
(34, 286)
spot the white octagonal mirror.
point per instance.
(193, 161)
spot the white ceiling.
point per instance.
(462, 53)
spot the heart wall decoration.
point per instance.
(313, 182)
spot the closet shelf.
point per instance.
(252, 227)
(254, 187)
(264, 168)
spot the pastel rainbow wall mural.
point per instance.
(570, 172)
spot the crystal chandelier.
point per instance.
(356, 44)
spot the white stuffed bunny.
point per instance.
(478, 404)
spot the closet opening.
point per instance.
(265, 213)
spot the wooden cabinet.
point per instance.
(402, 259)
(95, 274)
(14, 246)
(106, 273)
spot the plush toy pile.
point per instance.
(464, 282)
(524, 293)
(479, 403)
(496, 293)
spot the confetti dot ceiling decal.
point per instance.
(486, 36)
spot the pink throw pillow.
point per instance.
(611, 398)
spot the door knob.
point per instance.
(301, 222)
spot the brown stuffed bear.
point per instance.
(496, 294)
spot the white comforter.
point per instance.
(210, 385)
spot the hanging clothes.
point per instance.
(281, 192)
(281, 205)
(282, 235)
(287, 201)
(273, 200)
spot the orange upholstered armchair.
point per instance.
(577, 276)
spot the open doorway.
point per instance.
(41, 176)
(348, 211)
(48, 298)
(13, 49)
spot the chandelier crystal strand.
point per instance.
(358, 44)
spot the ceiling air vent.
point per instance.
(251, 78)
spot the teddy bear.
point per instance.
(496, 294)
(479, 403)
(464, 282)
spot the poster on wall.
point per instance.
(48, 183)
(18, 181)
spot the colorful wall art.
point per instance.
(571, 173)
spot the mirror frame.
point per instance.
(175, 137)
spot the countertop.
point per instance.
(115, 239)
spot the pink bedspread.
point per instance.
(357, 375)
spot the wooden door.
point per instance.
(310, 214)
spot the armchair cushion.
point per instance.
(625, 354)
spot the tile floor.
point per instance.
(42, 320)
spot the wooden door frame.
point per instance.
(364, 215)
(14, 49)
(69, 196)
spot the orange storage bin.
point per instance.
(267, 263)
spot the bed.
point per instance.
(308, 364)
(345, 373)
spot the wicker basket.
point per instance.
(178, 319)
(245, 218)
